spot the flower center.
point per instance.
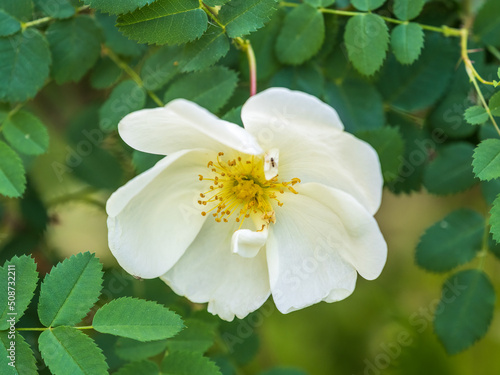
(240, 189)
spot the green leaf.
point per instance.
(67, 350)
(302, 35)
(487, 160)
(407, 41)
(24, 65)
(366, 5)
(283, 371)
(451, 242)
(211, 88)
(420, 85)
(487, 23)
(8, 24)
(59, 9)
(17, 287)
(241, 17)
(358, 103)
(198, 336)
(476, 115)
(21, 9)
(319, 3)
(70, 290)
(367, 40)
(115, 40)
(307, 78)
(139, 368)
(22, 362)
(161, 67)
(494, 104)
(494, 246)
(165, 21)
(26, 133)
(465, 310)
(117, 7)
(214, 3)
(451, 171)
(105, 74)
(490, 190)
(389, 144)
(407, 10)
(133, 350)
(137, 319)
(125, 98)
(495, 220)
(12, 178)
(188, 363)
(75, 45)
(206, 51)
(143, 161)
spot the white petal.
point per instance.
(311, 145)
(210, 272)
(320, 238)
(155, 216)
(247, 243)
(182, 125)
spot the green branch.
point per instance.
(132, 74)
(48, 328)
(41, 21)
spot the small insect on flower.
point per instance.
(281, 207)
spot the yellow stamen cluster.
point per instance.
(239, 188)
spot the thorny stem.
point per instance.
(474, 76)
(132, 74)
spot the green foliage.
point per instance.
(115, 40)
(125, 98)
(319, 3)
(490, 190)
(26, 133)
(105, 74)
(19, 283)
(487, 24)
(8, 24)
(198, 336)
(143, 161)
(408, 9)
(494, 246)
(24, 66)
(495, 219)
(21, 9)
(283, 371)
(188, 363)
(494, 104)
(67, 350)
(25, 363)
(389, 144)
(358, 103)
(211, 88)
(75, 45)
(302, 35)
(421, 84)
(139, 368)
(70, 290)
(367, 40)
(117, 7)
(164, 22)
(206, 51)
(451, 171)
(133, 350)
(407, 41)
(487, 160)
(451, 242)
(366, 5)
(59, 9)
(476, 115)
(137, 319)
(161, 67)
(12, 178)
(241, 17)
(465, 310)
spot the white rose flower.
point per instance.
(284, 206)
